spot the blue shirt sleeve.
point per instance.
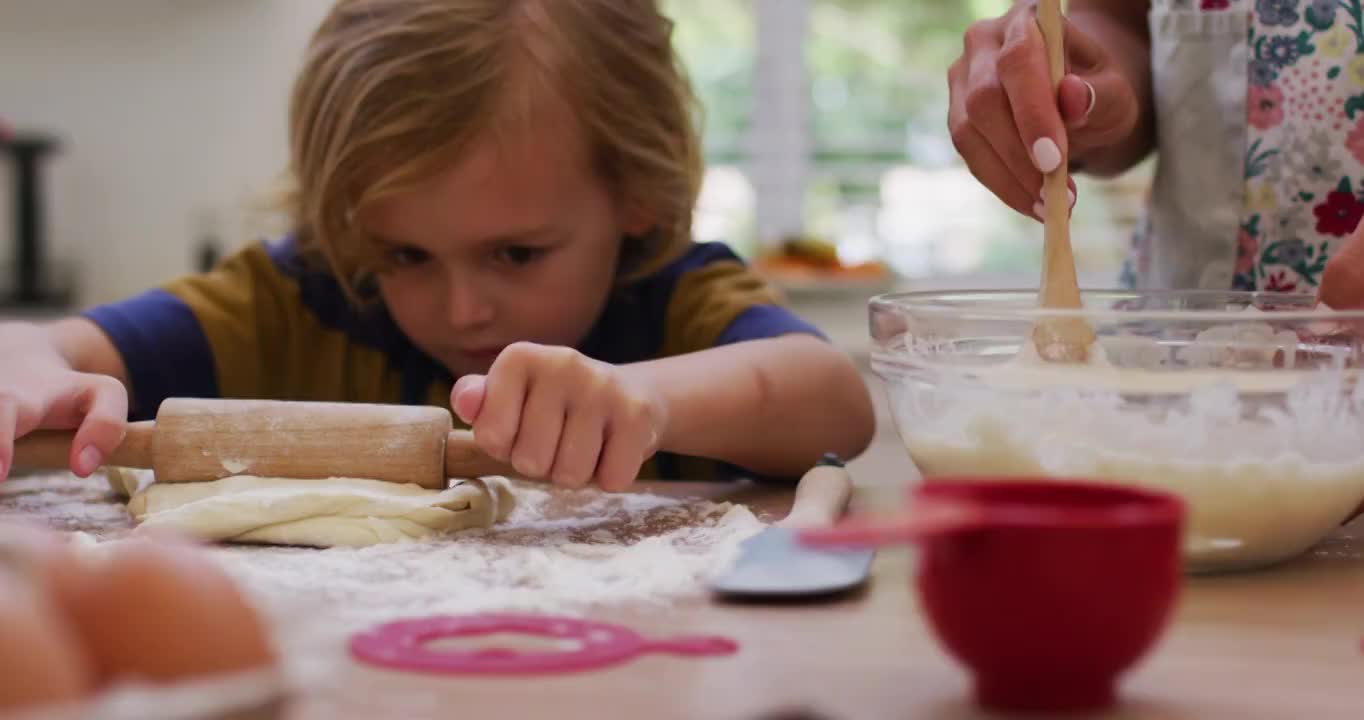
(765, 321)
(163, 348)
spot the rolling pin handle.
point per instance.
(51, 449)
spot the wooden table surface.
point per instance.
(1283, 643)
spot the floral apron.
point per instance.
(1260, 134)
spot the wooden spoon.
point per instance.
(1058, 339)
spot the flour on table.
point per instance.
(561, 552)
(65, 503)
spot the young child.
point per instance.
(492, 209)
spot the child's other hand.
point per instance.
(38, 393)
(1342, 288)
(1342, 285)
(554, 413)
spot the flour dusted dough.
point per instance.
(319, 513)
(126, 483)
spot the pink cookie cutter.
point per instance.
(403, 645)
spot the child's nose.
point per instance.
(467, 306)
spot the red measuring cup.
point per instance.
(1046, 590)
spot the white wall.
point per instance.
(169, 110)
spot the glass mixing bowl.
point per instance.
(1244, 404)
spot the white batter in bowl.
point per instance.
(1246, 405)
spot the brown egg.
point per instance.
(41, 661)
(28, 549)
(161, 611)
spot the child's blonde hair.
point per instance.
(392, 90)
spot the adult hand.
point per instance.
(1008, 124)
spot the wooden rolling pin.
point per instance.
(195, 440)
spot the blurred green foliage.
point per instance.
(877, 70)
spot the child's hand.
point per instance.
(555, 413)
(40, 391)
(1342, 288)
(1342, 285)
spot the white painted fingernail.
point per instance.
(1046, 155)
(1039, 211)
(1093, 98)
(1071, 195)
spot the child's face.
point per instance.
(518, 241)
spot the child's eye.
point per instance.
(519, 254)
(408, 256)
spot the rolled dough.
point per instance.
(318, 513)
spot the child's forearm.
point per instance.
(72, 343)
(772, 406)
(86, 348)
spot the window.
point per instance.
(716, 40)
(828, 118)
